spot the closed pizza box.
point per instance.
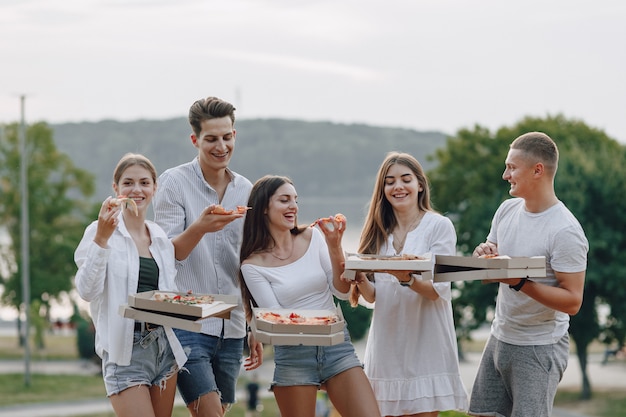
(162, 319)
(499, 262)
(220, 307)
(299, 329)
(389, 263)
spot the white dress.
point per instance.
(411, 354)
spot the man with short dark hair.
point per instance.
(207, 251)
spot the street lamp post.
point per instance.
(25, 242)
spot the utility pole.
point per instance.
(25, 242)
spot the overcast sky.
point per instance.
(421, 64)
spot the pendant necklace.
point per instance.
(398, 244)
(293, 244)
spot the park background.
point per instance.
(323, 91)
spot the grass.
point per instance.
(49, 388)
(57, 347)
(57, 388)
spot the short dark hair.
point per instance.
(209, 108)
(540, 147)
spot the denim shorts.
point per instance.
(152, 363)
(213, 365)
(313, 365)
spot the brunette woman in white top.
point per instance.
(411, 353)
(121, 254)
(287, 266)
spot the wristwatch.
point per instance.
(409, 282)
(519, 285)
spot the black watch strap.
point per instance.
(519, 285)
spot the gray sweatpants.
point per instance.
(518, 381)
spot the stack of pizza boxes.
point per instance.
(288, 333)
(149, 307)
(468, 268)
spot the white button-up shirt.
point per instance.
(107, 276)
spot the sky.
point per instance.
(437, 65)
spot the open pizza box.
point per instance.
(220, 307)
(377, 263)
(469, 268)
(298, 334)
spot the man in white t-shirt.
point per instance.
(528, 348)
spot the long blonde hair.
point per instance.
(381, 220)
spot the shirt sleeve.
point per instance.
(91, 260)
(259, 287)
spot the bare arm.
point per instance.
(366, 287)
(424, 288)
(567, 297)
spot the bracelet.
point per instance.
(519, 285)
(409, 282)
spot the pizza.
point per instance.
(125, 202)
(185, 299)
(294, 318)
(218, 209)
(328, 221)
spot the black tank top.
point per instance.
(148, 275)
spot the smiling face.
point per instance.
(401, 187)
(215, 143)
(136, 182)
(282, 209)
(519, 172)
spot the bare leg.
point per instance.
(133, 402)
(296, 401)
(208, 405)
(163, 397)
(352, 395)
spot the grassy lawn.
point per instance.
(56, 388)
(57, 346)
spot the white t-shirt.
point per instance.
(554, 233)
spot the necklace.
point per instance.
(293, 245)
(398, 244)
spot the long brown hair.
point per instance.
(256, 234)
(381, 220)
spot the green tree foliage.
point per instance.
(56, 215)
(591, 181)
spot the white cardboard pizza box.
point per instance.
(362, 262)
(220, 308)
(466, 268)
(296, 339)
(156, 318)
(269, 327)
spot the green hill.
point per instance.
(333, 165)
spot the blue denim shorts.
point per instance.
(213, 365)
(152, 363)
(313, 365)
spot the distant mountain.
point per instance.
(331, 164)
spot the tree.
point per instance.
(590, 180)
(57, 215)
